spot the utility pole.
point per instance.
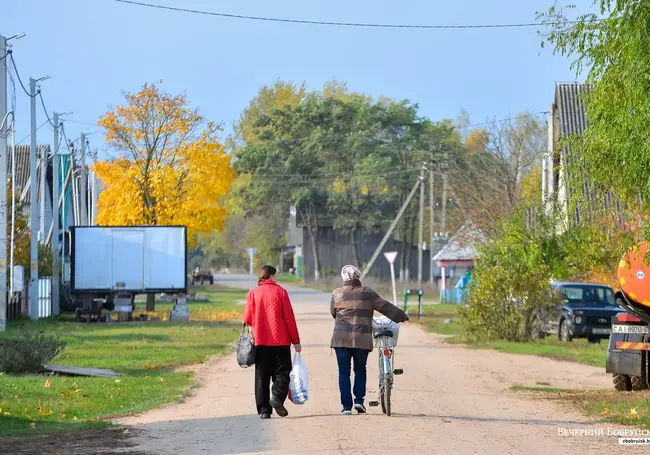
(83, 190)
(443, 218)
(4, 123)
(421, 229)
(391, 228)
(55, 218)
(41, 194)
(33, 207)
(432, 205)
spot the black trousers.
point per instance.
(272, 363)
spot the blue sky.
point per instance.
(93, 49)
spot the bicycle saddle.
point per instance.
(383, 333)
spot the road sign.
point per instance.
(251, 251)
(391, 256)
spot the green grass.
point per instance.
(434, 317)
(627, 408)
(578, 350)
(288, 279)
(520, 388)
(147, 355)
(219, 298)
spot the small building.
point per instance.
(457, 257)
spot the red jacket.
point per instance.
(269, 313)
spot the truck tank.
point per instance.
(634, 278)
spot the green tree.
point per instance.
(611, 46)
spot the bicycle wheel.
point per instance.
(386, 397)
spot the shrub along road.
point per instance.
(449, 400)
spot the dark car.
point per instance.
(587, 311)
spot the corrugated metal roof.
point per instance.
(463, 246)
(569, 101)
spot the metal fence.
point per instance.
(456, 296)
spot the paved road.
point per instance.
(449, 400)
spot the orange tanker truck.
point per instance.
(629, 343)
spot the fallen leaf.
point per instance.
(117, 381)
(75, 418)
(7, 413)
(25, 411)
(32, 425)
(446, 421)
(18, 395)
(65, 394)
(147, 377)
(126, 431)
(634, 414)
(161, 380)
(524, 423)
(78, 390)
(48, 384)
(64, 380)
(63, 416)
(605, 411)
(74, 384)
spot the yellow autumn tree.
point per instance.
(171, 168)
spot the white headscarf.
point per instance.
(350, 273)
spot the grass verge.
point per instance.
(578, 350)
(147, 355)
(627, 408)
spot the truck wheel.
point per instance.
(565, 335)
(622, 382)
(639, 383)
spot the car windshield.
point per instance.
(596, 295)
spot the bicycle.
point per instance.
(386, 372)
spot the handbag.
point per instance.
(246, 348)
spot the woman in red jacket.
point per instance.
(270, 315)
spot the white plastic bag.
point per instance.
(298, 381)
(384, 323)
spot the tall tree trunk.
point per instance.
(151, 302)
(355, 249)
(312, 229)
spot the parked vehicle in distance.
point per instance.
(586, 312)
(201, 276)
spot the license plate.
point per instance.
(631, 329)
(601, 331)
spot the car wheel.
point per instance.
(565, 335)
(622, 382)
(594, 340)
(639, 383)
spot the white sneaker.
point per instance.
(346, 412)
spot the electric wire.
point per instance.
(344, 24)
(13, 62)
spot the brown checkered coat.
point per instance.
(352, 308)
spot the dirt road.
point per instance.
(449, 400)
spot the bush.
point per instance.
(28, 352)
(510, 297)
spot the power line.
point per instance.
(27, 137)
(13, 62)
(40, 95)
(340, 24)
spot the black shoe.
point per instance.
(265, 415)
(279, 407)
(361, 409)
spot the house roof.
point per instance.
(570, 107)
(463, 245)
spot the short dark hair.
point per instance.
(267, 272)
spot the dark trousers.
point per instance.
(344, 357)
(272, 363)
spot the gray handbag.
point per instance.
(246, 348)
